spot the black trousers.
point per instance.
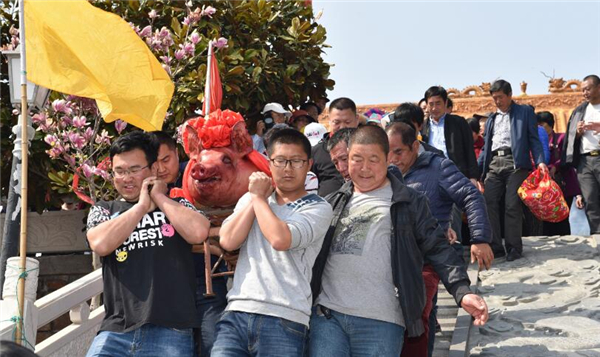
(588, 175)
(504, 179)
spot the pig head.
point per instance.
(221, 160)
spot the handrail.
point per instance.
(64, 299)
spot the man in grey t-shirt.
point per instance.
(367, 278)
(279, 234)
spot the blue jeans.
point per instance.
(148, 340)
(209, 309)
(245, 334)
(346, 335)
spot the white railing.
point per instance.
(71, 298)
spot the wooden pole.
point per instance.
(24, 164)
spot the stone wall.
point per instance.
(57, 271)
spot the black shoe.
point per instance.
(513, 254)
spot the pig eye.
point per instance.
(227, 160)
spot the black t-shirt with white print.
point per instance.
(150, 278)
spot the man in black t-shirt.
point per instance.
(145, 240)
(209, 308)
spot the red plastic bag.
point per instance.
(543, 197)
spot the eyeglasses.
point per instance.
(119, 173)
(296, 163)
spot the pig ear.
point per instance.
(240, 139)
(191, 141)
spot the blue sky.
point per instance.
(392, 51)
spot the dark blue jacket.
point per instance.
(524, 139)
(444, 185)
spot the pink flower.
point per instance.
(88, 170)
(152, 14)
(103, 138)
(165, 59)
(179, 54)
(77, 140)
(164, 32)
(220, 43)
(69, 159)
(186, 21)
(146, 31)
(120, 126)
(39, 118)
(101, 173)
(88, 133)
(55, 152)
(195, 37)
(62, 106)
(65, 121)
(51, 140)
(180, 133)
(208, 11)
(167, 69)
(188, 48)
(79, 122)
(46, 125)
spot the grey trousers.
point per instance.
(588, 175)
(503, 178)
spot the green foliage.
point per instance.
(273, 54)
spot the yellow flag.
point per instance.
(76, 48)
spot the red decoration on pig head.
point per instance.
(221, 160)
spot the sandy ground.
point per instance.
(545, 304)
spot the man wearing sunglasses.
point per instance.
(144, 239)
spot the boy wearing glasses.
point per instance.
(279, 229)
(145, 240)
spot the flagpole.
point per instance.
(24, 169)
(208, 78)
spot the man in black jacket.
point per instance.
(354, 311)
(342, 114)
(449, 133)
(581, 148)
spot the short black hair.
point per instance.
(304, 106)
(421, 101)
(436, 91)
(11, 349)
(339, 136)
(289, 136)
(409, 112)
(594, 78)
(545, 117)
(164, 139)
(449, 103)
(474, 125)
(370, 135)
(269, 133)
(404, 130)
(343, 103)
(136, 140)
(501, 86)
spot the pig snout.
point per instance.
(203, 172)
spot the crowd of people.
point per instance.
(343, 245)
